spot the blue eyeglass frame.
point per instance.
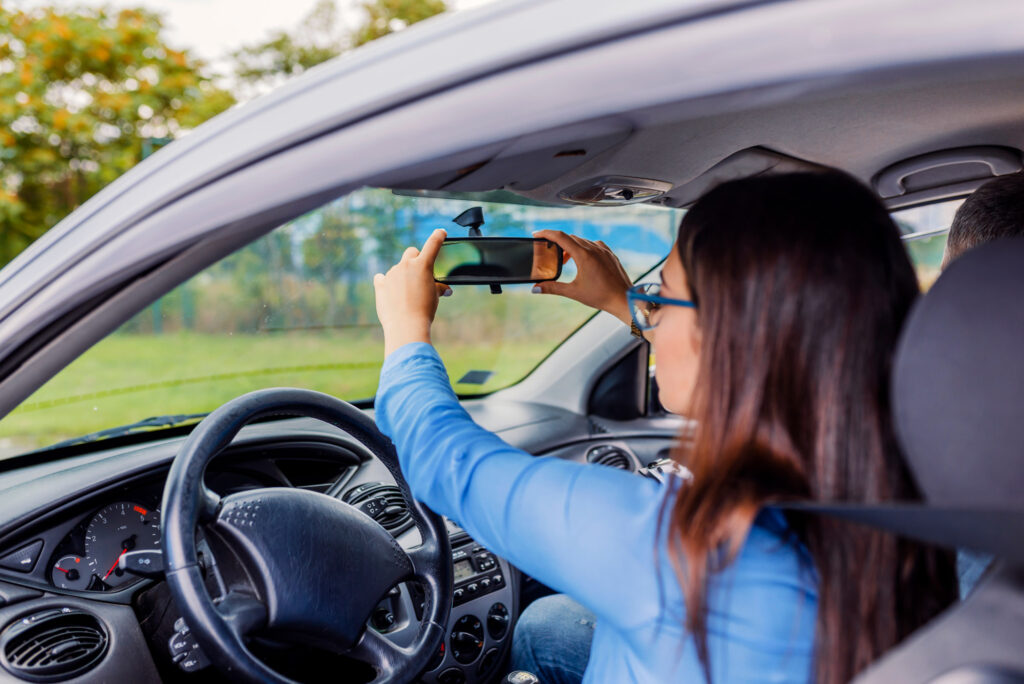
(637, 293)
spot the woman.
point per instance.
(776, 318)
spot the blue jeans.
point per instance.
(552, 640)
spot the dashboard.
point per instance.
(64, 524)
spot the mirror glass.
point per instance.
(484, 261)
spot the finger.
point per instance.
(378, 280)
(410, 253)
(433, 245)
(553, 287)
(563, 240)
(443, 290)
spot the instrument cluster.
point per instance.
(87, 559)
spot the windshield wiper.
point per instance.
(144, 425)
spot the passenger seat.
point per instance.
(958, 405)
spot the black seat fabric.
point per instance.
(958, 407)
(958, 382)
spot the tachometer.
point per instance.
(73, 572)
(116, 530)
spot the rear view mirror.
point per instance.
(497, 261)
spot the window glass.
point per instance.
(924, 232)
(296, 308)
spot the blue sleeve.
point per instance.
(587, 531)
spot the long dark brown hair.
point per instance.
(802, 285)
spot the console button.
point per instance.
(485, 584)
(459, 593)
(489, 660)
(472, 588)
(24, 559)
(497, 579)
(452, 675)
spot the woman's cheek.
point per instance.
(675, 355)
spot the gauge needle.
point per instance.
(62, 569)
(114, 566)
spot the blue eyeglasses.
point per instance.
(644, 299)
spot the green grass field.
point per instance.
(128, 377)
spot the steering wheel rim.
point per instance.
(220, 629)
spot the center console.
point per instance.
(480, 627)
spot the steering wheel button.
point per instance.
(180, 644)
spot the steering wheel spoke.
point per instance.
(243, 614)
(423, 559)
(209, 505)
(378, 651)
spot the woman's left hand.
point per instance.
(407, 295)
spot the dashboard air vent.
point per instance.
(382, 502)
(54, 644)
(610, 455)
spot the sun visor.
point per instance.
(753, 161)
(540, 158)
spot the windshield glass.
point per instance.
(295, 308)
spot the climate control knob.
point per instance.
(497, 621)
(467, 639)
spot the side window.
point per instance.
(924, 232)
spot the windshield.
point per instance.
(295, 308)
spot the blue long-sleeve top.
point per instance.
(592, 532)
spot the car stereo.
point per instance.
(477, 571)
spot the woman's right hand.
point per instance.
(600, 282)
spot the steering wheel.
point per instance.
(314, 567)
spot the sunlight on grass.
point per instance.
(128, 377)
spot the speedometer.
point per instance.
(114, 531)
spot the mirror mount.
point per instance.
(473, 218)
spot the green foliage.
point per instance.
(80, 91)
(321, 36)
(318, 37)
(388, 16)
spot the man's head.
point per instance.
(993, 211)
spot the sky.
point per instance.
(213, 28)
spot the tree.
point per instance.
(388, 16)
(333, 253)
(320, 36)
(80, 92)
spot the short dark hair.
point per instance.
(993, 211)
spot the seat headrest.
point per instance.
(958, 382)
